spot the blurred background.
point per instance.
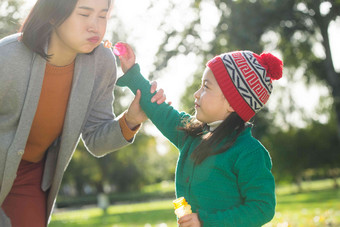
(173, 40)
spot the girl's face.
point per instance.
(84, 29)
(210, 103)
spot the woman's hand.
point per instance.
(128, 59)
(135, 115)
(189, 220)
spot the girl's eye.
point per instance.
(102, 17)
(84, 15)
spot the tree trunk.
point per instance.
(333, 78)
(334, 173)
(99, 187)
(298, 182)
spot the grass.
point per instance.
(318, 206)
(137, 214)
(164, 190)
(314, 208)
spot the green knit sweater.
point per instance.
(234, 188)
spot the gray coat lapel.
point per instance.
(31, 101)
(82, 85)
(16, 150)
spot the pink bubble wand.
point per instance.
(118, 49)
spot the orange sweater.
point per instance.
(49, 117)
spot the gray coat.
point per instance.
(89, 113)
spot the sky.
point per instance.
(145, 36)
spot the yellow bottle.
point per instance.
(181, 207)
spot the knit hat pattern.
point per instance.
(245, 79)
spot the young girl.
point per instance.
(56, 82)
(222, 171)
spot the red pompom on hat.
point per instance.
(272, 64)
(245, 79)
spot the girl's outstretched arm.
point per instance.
(163, 116)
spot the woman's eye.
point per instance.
(84, 15)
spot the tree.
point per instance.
(314, 147)
(299, 26)
(293, 28)
(300, 30)
(9, 17)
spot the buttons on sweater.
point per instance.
(20, 152)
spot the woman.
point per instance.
(56, 82)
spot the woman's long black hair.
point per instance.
(231, 127)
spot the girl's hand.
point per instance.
(128, 59)
(189, 220)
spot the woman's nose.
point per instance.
(93, 25)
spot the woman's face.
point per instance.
(210, 103)
(84, 29)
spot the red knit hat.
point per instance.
(245, 79)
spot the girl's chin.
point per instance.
(197, 116)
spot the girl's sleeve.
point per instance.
(163, 116)
(257, 188)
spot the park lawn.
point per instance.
(319, 206)
(314, 208)
(154, 213)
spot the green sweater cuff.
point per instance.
(129, 79)
(163, 116)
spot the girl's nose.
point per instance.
(197, 94)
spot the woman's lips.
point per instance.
(93, 39)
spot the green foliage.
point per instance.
(299, 149)
(187, 99)
(128, 169)
(138, 164)
(299, 26)
(9, 17)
